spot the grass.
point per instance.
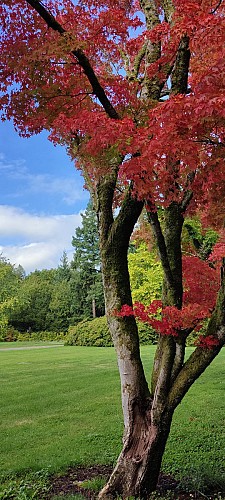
(95, 484)
(61, 407)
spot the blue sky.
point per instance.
(42, 196)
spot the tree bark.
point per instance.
(138, 467)
(147, 419)
(93, 308)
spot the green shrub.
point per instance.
(90, 333)
(45, 335)
(96, 333)
(146, 334)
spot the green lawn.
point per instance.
(61, 407)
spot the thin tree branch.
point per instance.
(188, 194)
(137, 62)
(217, 7)
(48, 98)
(80, 56)
(186, 200)
(210, 142)
(167, 92)
(168, 8)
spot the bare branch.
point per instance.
(186, 200)
(80, 56)
(201, 357)
(167, 92)
(137, 62)
(210, 142)
(72, 96)
(217, 7)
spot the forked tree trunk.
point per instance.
(147, 415)
(146, 421)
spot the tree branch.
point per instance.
(151, 87)
(80, 56)
(186, 200)
(137, 61)
(181, 67)
(157, 231)
(199, 360)
(217, 6)
(161, 376)
(126, 219)
(168, 8)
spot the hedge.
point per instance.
(13, 335)
(96, 333)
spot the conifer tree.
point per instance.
(86, 277)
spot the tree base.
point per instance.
(138, 467)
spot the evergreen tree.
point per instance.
(63, 271)
(86, 281)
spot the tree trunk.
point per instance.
(138, 466)
(93, 308)
(147, 416)
(146, 419)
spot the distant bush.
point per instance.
(44, 335)
(95, 332)
(146, 334)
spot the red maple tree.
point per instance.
(135, 91)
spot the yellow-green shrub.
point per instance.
(96, 333)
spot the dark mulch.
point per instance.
(71, 483)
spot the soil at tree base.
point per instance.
(71, 484)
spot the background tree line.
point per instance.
(53, 299)
(57, 299)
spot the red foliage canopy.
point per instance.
(44, 87)
(81, 77)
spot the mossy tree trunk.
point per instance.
(146, 420)
(147, 412)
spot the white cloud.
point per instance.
(42, 239)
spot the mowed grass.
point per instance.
(61, 407)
